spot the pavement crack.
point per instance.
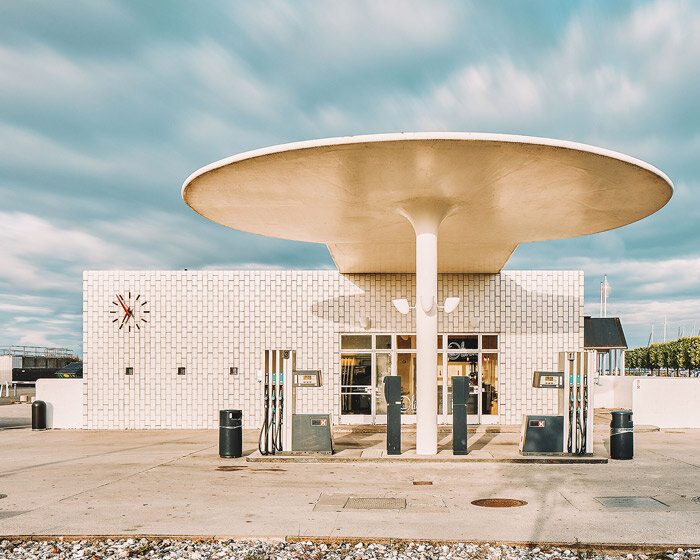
(137, 473)
(568, 500)
(675, 459)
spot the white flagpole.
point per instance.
(664, 329)
(605, 299)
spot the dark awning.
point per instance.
(603, 332)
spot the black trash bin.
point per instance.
(230, 433)
(621, 435)
(38, 415)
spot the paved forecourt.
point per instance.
(173, 483)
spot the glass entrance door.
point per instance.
(463, 360)
(356, 387)
(365, 361)
(382, 368)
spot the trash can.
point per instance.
(621, 435)
(38, 415)
(230, 433)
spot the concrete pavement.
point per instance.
(174, 483)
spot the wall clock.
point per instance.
(129, 314)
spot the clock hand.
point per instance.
(121, 302)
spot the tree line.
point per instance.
(681, 354)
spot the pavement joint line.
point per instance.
(135, 473)
(82, 457)
(577, 545)
(675, 459)
(567, 500)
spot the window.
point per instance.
(367, 359)
(356, 341)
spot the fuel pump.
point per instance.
(578, 368)
(570, 431)
(310, 433)
(285, 429)
(278, 366)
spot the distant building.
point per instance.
(29, 363)
(606, 337)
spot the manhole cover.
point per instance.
(375, 503)
(631, 502)
(499, 502)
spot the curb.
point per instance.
(579, 546)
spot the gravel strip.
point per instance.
(172, 549)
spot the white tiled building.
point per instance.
(506, 326)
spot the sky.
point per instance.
(106, 107)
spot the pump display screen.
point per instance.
(548, 379)
(308, 378)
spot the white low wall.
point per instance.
(612, 391)
(64, 402)
(666, 402)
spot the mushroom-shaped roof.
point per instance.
(500, 190)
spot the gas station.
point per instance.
(420, 226)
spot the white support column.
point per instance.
(426, 217)
(622, 362)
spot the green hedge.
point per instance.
(683, 353)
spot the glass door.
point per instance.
(382, 368)
(489, 378)
(463, 360)
(489, 384)
(356, 388)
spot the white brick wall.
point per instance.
(210, 321)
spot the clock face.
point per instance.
(129, 311)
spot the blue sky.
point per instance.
(106, 107)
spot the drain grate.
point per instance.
(375, 503)
(631, 502)
(499, 502)
(422, 483)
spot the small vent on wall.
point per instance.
(181, 371)
(233, 371)
(129, 371)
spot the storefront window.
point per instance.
(440, 380)
(457, 346)
(382, 369)
(406, 341)
(383, 341)
(406, 370)
(368, 358)
(356, 341)
(489, 342)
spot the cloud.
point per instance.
(106, 106)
